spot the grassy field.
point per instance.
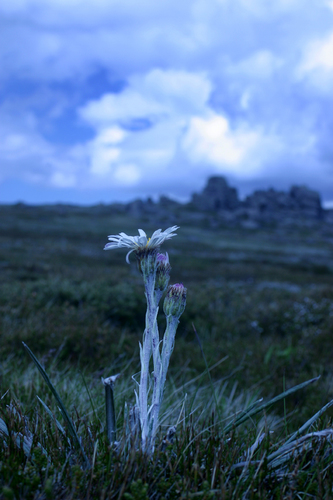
(261, 302)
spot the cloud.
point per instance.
(127, 174)
(22, 146)
(211, 141)
(316, 66)
(260, 65)
(320, 55)
(164, 102)
(106, 95)
(153, 96)
(62, 179)
(180, 126)
(55, 40)
(104, 151)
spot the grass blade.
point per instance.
(62, 408)
(3, 427)
(110, 409)
(208, 372)
(309, 422)
(253, 411)
(47, 409)
(299, 445)
(89, 395)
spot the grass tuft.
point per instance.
(262, 301)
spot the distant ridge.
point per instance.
(218, 204)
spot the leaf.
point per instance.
(47, 409)
(62, 408)
(3, 427)
(309, 422)
(251, 411)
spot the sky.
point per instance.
(112, 100)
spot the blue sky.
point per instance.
(109, 100)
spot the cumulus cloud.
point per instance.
(22, 146)
(188, 89)
(57, 39)
(211, 140)
(138, 130)
(103, 150)
(320, 55)
(156, 95)
(178, 123)
(176, 120)
(316, 65)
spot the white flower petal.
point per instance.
(128, 254)
(156, 233)
(171, 230)
(141, 242)
(109, 246)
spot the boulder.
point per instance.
(138, 207)
(268, 201)
(135, 208)
(299, 202)
(306, 200)
(167, 203)
(217, 195)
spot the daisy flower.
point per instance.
(140, 243)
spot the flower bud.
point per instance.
(146, 261)
(162, 272)
(175, 300)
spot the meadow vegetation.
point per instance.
(261, 302)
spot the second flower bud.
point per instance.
(175, 300)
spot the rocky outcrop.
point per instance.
(306, 200)
(166, 211)
(167, 203)
(139, 207)
(268, 201)
(300, 205)
(217, 195)
(300, 201)
(218, 203)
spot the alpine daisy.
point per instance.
(140, 243)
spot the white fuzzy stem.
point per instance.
(150, 344)
(157, 382)
(168, 345)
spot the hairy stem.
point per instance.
(150, 343)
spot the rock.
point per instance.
(328, 216)
(138, 207)
(306, 200)
(299, 202)
(217, 195)
(135, 208)
(166, 202)
(269, 201)
(218, 204)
